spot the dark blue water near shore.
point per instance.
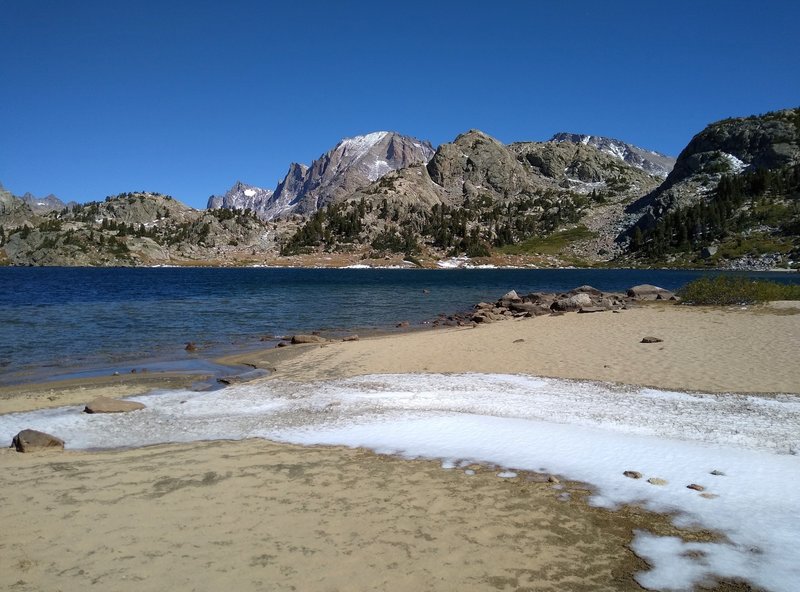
(56, 320)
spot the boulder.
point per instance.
(540, 298)
(586, 290)
(106, 405)
(572, 303)
(649, 292)
(524, 307)
(512, 295)
(298, 339)
(33, 441)
(709, 251)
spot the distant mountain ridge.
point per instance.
(650, 161)
(351, 164)
(241, 197)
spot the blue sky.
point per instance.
(102, 97)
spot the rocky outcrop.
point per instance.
(584, 299)
(35, 441)
(14, 211)
(651, 162)
(731, 146)
(107, 405)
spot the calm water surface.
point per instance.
(54, 321)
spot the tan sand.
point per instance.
(260, 516)
(255, 515)
(26, 397)
(705, 349)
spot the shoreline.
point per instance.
(432, 349)
(322, 516)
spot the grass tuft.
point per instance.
(722, 291)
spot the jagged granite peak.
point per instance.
(650, 161)
(353, 163)
(730, 146)
(43, 204)
(241, 197)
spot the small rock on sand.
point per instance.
(106, 405)
(297, 339)
(34, 441)
(651, 340)
(350, 338)
(633, 474)
(553, 479)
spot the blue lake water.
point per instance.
(54, 321)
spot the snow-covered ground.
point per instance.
(741, 449)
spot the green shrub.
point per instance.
(722, 291)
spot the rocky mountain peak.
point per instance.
(240, 196)
(731, 146)
(351, 164)
(41, 205)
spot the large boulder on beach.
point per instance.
(299, 339)
(572, 303)
(650, 292)
(35, 441)
(107, 405)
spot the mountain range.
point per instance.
(348, 166)
(730, 199)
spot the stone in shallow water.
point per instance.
(633, 474)
(696, 487)
(657, 481)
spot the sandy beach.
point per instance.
(706, 349)
(252, 514)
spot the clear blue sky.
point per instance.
(102, 97)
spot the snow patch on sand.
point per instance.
(585, 431)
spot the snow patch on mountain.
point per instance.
(649, 161)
